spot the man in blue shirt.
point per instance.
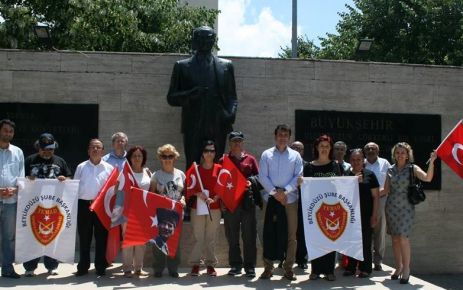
(280, 167)
(11, 167)
(117, 155)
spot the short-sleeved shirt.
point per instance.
(46, 168)
(169, 184)
(366, 199)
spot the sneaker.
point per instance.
(52, 272)
(29, 273)
(195, 270)
(128, 274)
(250, 273)
(12, 275)
(234, 271)
(211, 271)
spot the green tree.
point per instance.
(305, 49)
(103, 25)
(404, 31)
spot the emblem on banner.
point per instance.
(332, 220)
(46, 223)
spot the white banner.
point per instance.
(46, 220)
(331, 213)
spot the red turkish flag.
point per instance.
(231, 184)
(193, 181)
(104, 201)
(153, 218)
(451, 149)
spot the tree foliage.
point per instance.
(305, 49)
(404, 31)
(103, 25)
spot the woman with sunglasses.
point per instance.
(133, 256)
(204, 226)
(167, 181)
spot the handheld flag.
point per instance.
(451, 149)
(231, 184)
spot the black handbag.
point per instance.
(415, 189)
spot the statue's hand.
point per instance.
(197, 92)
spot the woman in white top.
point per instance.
(133, 256)
(168, 181)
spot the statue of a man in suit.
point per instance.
(204, 86)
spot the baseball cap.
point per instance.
(235, 135)
(47, 141)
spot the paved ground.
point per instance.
(115, 280)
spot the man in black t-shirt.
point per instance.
(45, 164)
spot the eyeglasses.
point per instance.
(167, 157)
(208, 150)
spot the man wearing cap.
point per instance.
(167, 222)
(244, 216)
(117, 155)
(11, 167)
(45, 164)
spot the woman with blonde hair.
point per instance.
(167, 181)
(399, 211)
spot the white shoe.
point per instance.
(52, 272)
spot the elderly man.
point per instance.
(380, 167)
(119, 142)
(279, 169)
(244, 217)
(92, 174)
(204, 86)
(11, 167)
(340, 149)
(45, 164)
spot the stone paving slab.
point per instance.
(114, 279)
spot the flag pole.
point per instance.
(202, 188)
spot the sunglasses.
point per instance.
(208, 150)
(167, 157)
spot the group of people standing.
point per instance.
(276, 179)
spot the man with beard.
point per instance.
(11, 167)
(45, 164)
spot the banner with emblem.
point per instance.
(331, 213)
(46, 219)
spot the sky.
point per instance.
(258, 28)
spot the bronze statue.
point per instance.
(204, 86)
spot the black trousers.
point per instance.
(324, 264)
(244, 219)
(88, 225)
(365, 265)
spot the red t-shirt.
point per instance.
(209, 179)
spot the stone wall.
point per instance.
(131, 90)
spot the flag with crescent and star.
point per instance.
(451, 149)
(231, 184)
(193, 181)
(331, 216)
(153, 218)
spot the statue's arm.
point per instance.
(177, 96)
(232, 104)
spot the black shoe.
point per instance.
(173, 274)
(234, 271)
(157, 274)
(80, 273)
(363, 275)
(302, 266)
(348, 273)
(250, 273)
(100, 272)
(12, 275)
(280, 265)
(404, 281)
(378, 267)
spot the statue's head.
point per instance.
(203, 39)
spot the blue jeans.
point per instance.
(8, 231)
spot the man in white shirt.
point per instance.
(92, 174)
(379, 166)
